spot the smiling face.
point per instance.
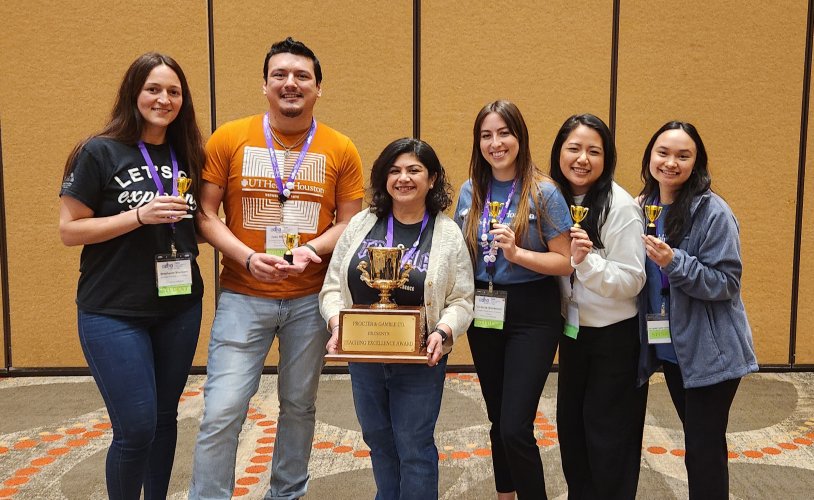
(408, 182)
(671, 162)
(582, 159)
(291, 86)
(499, 147)
(159, 102)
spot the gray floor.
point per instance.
(54, 434)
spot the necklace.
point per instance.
(288, 148)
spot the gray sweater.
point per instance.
(708, 325)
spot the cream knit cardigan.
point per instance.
(449, 288)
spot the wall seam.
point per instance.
(213, 115)
(417, 69)
(4, 265)
(614, 66)
(801, 173)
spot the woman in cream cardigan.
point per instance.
(397, 404)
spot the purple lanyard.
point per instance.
(285, 190)
(501, 216)
(154, 171)
(665, 281)
(389, 239)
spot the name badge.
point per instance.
(658, 329)
(173, 274)
(571, 319)
(490, 309)
(275, 239)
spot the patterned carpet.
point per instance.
(54, 433)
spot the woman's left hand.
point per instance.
(435, 348)
(504, 239)
(657, 250)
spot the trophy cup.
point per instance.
(578, 213)
(652, 212)
(290, 241)
(494, 211)
(383, 332)
(184, 183)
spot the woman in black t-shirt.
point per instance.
(397, 404)
(140, 289)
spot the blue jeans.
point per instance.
(140, 366)
(242, 333)
(397, 406)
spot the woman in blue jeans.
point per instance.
(140, 289)
(397, 404)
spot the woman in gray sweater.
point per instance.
(691, 314)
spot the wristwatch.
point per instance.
(442, 333)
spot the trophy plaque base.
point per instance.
(370, 335)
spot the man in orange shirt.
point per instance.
(276, 174)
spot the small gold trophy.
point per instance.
(184, 183)
(652, 212)
(383, 332)
(290, 240)
(578, 213)
(494, 211)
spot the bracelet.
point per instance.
(138, 217)
(249, 261)
(311, 247)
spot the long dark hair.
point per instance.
(438, 199)
(480, 172)
(599, 195)
(126, 123)
(677, 221)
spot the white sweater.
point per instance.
(608, 281)
(449, 289)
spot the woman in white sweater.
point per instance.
(397, 404)
(600, 411)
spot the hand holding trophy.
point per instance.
(494, 211)
(578, 213)
(184, 183)
(652, 212)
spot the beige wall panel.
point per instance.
(60, 67)
(805, 309)
(549, 61)
(736, 73)
(364, 47)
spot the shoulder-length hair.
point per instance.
(600, 193)
(439, 197)
(677, 221)
(529, 177)
(126, 123)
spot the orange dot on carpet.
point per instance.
(75, 430)
(732, 455)
(77, 442)
(803, 441)
(257, 416)
(770, 451)
(3, 449)
(342, 449)
(190, 393)
(270, 430)
(28, 471)
(16, 481)
(261, 459)
(460, 455)
(103, 426)
(48, 438)
(248, 481)
(787, 446)
(264, 450)
(657, 450)
(239, 492)
(442, 456)
(678, 453)
(482, 452)
(266, 423)
(752, 454)
(39, 462)
(58, 451)
(265, 440)
(361, 453)
(25, 444)
(7, 492)
(323, 445)
(256, 469)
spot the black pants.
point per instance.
(512, 366)
(600, 411)
(704, 411)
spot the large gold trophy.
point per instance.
(383, 332)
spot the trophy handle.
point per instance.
(365, 275)
(405, 275)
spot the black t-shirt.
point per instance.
(412, 292)
(118, 276)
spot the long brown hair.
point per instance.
(126, 123)
(528, 177)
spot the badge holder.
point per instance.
(173, 273)
(490, 307)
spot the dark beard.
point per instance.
(292, 113)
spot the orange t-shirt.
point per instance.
(238, 160)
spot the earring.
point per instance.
(431, 186)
